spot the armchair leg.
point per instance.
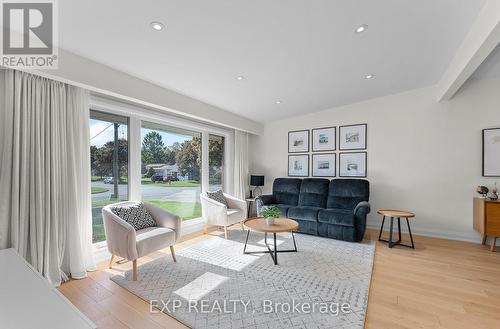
(111, 261)
(225, 232)
(134, 270)
(242, 226)
(172, 251)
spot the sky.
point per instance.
(101, 132)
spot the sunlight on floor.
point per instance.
(231, 255)
(201, 286)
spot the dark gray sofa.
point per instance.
(335, 209)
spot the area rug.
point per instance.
(214, 285)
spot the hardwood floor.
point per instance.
(440, 284)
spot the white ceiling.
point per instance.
(304, 53)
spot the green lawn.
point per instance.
(185, 210)
(97, 189)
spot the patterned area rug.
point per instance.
(214, 285)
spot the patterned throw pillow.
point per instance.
(218, 196)
(136, 215)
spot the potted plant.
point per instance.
(270, 213)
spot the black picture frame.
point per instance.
(334, 164)
(365, 140)
(334, 136)
(299, 131)
(483, 154)
(357, 176)
(307, 162)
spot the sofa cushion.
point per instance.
(343, 217)
(286, 190)
(153, 238)
(307, 226)
(282, 207)
(135, 214)
(340, 232)
(304, 213)
(347, 193)
(314, 192)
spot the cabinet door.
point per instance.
(493, 218)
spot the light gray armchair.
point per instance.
(216, 213)
(124, 241)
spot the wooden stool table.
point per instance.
(280, 225)
(396, 214)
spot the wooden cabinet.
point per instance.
(487, 219)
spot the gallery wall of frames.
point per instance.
(315, 152)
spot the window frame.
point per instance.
(136, 116)
(103, 243)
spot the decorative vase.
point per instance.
(270, 221)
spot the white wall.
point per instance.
(423, 156)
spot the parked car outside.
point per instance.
(157, 178)
(108, 180)
(162, 178)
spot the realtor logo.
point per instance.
(29, 38)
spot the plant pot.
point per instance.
(270, 221)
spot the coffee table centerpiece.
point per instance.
(281, 225)
(270, 213)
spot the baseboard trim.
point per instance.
(458, 236)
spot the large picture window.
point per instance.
(109, 165)
(171, 169)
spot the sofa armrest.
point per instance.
(263, 200)
(363, 206)
(360, 212)
(165, 219)
(120, 235)
(235, 203)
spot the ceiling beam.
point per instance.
(479, 42)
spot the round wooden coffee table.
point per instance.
(393, 213)
(258, 224)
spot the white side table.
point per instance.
(250, 201)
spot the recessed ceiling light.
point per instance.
(369, 76)
(240, 77)
(361, 28)
(157, 26)
(278, 102)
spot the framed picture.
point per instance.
(298, 141)
(491, 152)
(323, 139)
(298, 165)
(352, 137)
(323, 165)
(352, 164)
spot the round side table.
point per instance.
(392, 213)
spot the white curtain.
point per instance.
(240, 164)
(45, 175)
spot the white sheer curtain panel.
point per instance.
(45, 175)
(240, 164)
